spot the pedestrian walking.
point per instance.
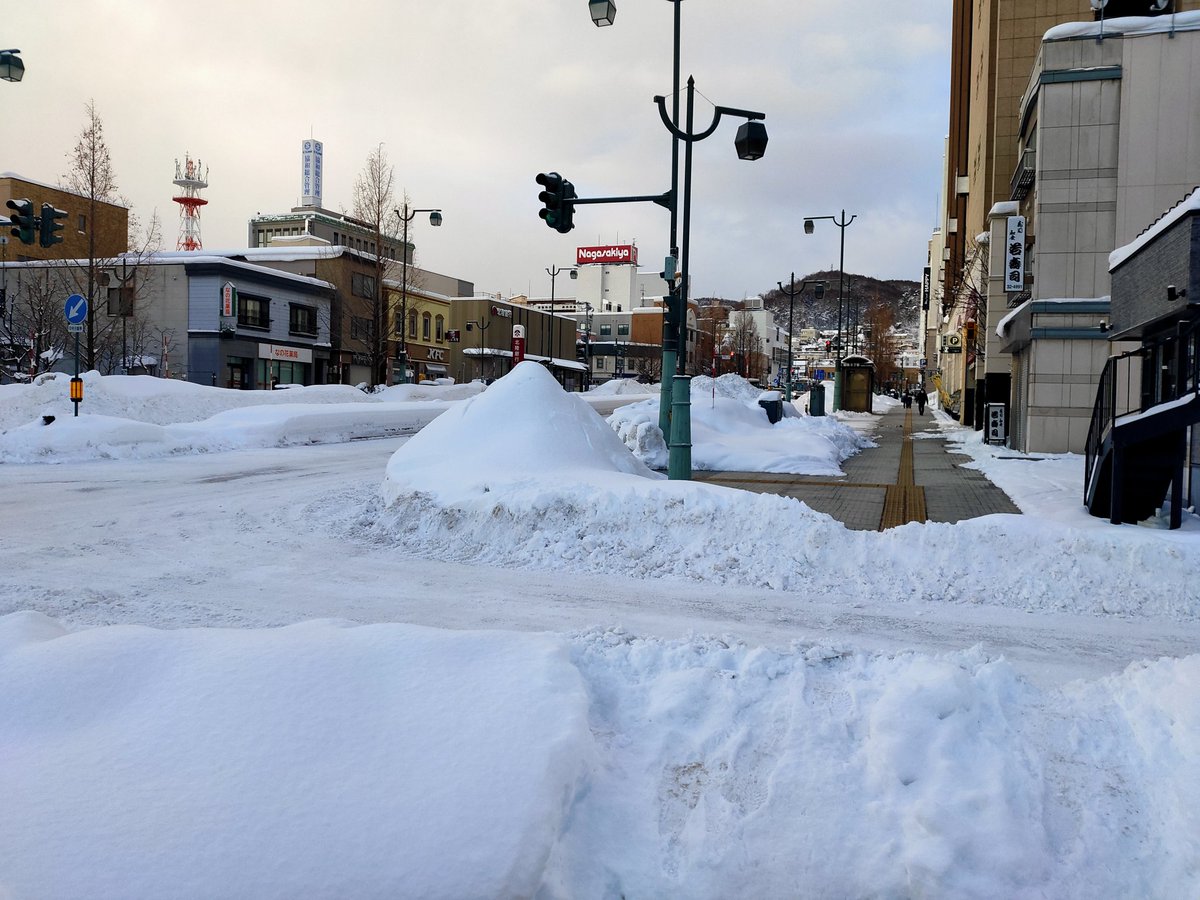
(922, 398)
(906, 399)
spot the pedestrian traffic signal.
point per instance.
(558, 210)
(22, 220)
(828, 346)
(50, 226)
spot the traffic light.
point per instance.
(828, 346)
(558, 211)
(50, 225)
(22, 220)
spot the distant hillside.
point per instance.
(903, 297)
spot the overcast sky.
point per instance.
(472, 99)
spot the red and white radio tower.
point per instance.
(189, 178)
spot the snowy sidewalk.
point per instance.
(909, 477)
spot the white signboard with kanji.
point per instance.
(1014, 254)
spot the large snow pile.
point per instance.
(323, 760)
(524, 436)
(165, 401)
(616, 387)
(731, 432)
(139, 417)
(142, 398)
(563, 494)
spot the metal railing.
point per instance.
(1023, 177)
(1160, 372)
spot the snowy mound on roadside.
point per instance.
(389, 760)
(731, 432)
(619, 387)
(527, 474)
(523, 429)
(144, 398)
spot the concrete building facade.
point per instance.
(1109, 137)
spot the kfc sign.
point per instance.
(624, 253)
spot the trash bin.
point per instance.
(772, 402)
(816, 399)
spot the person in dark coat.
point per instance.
(906, 399)
(922, 398)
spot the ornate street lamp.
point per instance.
(11, 66)
(841, 224)
(753, 143)
(793, 292)
(435, 219)
(604, 12)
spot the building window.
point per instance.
(362, 285)
(399, 324)
(360, 329)
(440, 329)
(412, 323)
(426, 323)
(623, 329)
(83, 224)
(605, 331)
(302, 320)
(254, 312)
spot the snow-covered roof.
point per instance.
(1188, 204)
(175, 257)
(1125, 25)
(1002, 325)
(1005, 208)
(1012, 314)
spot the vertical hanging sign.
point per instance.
(310, 188)
(228, 300)
(518, 344)
(925, 289)
(1014, 254)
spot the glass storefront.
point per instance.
(271, 372)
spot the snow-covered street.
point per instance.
(540, 670)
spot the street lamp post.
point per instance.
(435, 219)
(126, 307)
(482, 328)
(793, 292)
(841, 224)
(751, 144)
(587, 343)
(11, 66)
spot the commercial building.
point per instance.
(90, 227)
(209, 319)
(1143, 443)
(1109, 138)
(996, 45)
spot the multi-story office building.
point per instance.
(995, 44)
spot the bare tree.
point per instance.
(91, 176)
(374, 205)
(33, 335)
(880, 343)
(649, 368)
(747, 343)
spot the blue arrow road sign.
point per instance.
(76, 308)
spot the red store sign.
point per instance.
(622, 253)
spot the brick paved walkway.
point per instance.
(907, 478)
